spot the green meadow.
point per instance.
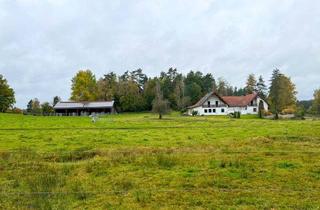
(134, 161)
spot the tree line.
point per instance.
(134, 91)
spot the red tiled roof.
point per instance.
(239, 100)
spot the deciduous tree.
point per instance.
(281, 92)
(46, 108)
(222, 87)
(160, 105)
(7, 98)
(129, 96)
(107, 86)
(316, 102)
(34, 107)
(84, 86)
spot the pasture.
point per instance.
(132, 161)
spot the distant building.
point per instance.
(213, 104)
(71, 108)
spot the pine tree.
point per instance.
(262, 88)
(29, 106)
(56, 99)
(251, 85)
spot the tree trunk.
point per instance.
(277, 116)
(160, 116)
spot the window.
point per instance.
(209, 110)
(205, 110)
(208, 103)
(214, 110)
(222, 110)
(254, 109)
(217, 103)
(251, 103)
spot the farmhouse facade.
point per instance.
(71, 108)
(213, 104)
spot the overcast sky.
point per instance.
(43, 43)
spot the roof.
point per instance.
(204, 98)
(239, 101)
(81, 105)
(233, 101)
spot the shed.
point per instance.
(72, 108)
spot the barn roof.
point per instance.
(239, 101)
(86, 104)
(233, 101)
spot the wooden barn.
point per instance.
(71, 108)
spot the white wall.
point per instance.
(265, 105)
(227, 110)
(218, 110)
(213, 100)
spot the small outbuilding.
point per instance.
(72, 108)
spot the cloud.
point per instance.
(44, 43)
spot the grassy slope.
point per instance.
(136, 161)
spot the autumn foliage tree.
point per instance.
(84, 86)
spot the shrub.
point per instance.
(15, 110)
(236, 115)
(266, 113)
(288, 111)
(300, 113)
(194, 113)
(183, 110)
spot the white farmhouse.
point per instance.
(213, 104)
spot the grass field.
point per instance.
(133, 161)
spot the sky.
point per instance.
(43, 43)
